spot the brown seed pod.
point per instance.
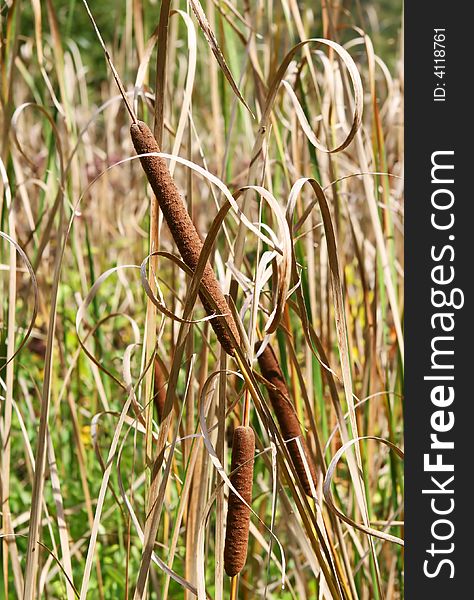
(183, 230)
(159, 391)
(286, 415)
(238, 515)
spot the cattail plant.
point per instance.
(183, 231)
(286, 416)
(190, 245)
(238, 514)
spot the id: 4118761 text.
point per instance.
(439, 64)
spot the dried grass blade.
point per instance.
(370, 531)
(214, 46)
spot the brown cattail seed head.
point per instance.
(238, 515)
(183, 230)
(286, 416)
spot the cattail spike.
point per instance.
(183, 231)
(286, 416)
(238, 515)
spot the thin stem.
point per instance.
(118, 81)
(250, 392)
(233, 587)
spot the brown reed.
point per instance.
(184, 232)
(286, 416)
(238, 514)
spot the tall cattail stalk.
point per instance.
(238, 514)
(184, 232)
(190, 246)
(287, 417)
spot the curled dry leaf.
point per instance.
(328, 495)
